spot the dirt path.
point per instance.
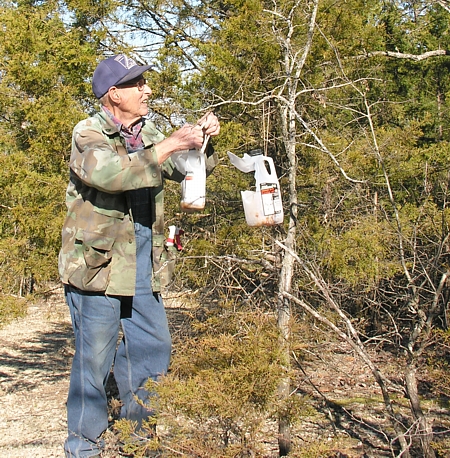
(35, 356)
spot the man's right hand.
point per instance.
(189, 135)
(185, 138)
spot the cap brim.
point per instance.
(134, 72)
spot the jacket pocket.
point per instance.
(94, 270)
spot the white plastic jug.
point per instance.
(193, 187)
(264, 206)
(192, 163)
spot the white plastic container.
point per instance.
(193, 187)
(262, 207)
(192, 163)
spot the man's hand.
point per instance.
(188, 137)
(210, 124)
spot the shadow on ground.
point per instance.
(41, 357)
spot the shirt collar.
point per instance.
(132, 130)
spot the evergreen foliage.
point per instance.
(363, 125)
(44, 92)
(222, 387)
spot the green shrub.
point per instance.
(220, 397)
(11, 307)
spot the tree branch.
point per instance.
(402, 55)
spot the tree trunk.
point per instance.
(286, 274)
(284, 386)
(425, 431)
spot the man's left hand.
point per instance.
(210, 124)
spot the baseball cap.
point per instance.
(115, 70)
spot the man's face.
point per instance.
(133, 97)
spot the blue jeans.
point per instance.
(143, 352)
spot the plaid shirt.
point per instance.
(140, 199)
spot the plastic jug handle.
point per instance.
(205, 142)
(261, 172)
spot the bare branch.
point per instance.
(326, 150)
(402, 55)
(445, 4)
(352, 338)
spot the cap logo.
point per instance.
(126, 62)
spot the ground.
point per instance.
(34, 378)
(35, 358)
(35, 361)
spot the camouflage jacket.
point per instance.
(98, 250)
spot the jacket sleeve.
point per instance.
(171, 172)
(104, 164)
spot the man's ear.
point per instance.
(113, 94)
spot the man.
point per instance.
(113, 259)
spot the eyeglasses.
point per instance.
(139, 83)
